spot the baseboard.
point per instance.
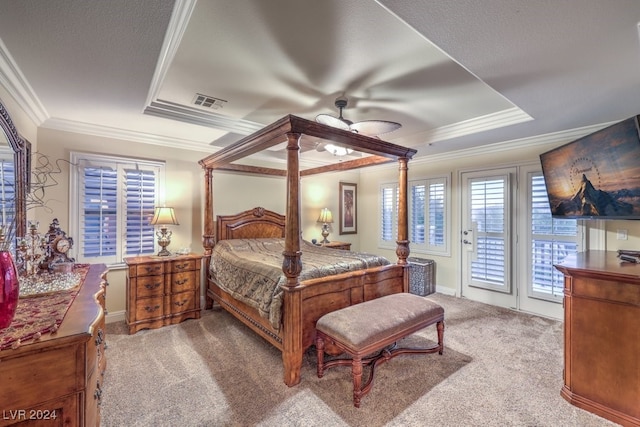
(115, 316)
(446, 290)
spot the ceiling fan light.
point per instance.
(336, 150)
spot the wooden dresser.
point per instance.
(602, 336)
(162, 290)
(57, 380)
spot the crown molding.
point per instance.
(174, 111)
(515, 144)
(501, 147)
(178, 23)
(16, 84)
(487, 122)
(170, 110)
(125, 135)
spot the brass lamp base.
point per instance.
(325, 233)
(164, 239)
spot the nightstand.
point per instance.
(162, 290)
(337, 245)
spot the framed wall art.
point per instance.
(348, 208)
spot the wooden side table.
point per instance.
(162, 290)
(337, 245)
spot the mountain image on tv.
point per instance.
(589, 201)
(597, 176)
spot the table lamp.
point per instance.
(325, 218)
(163, 217)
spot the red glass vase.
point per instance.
(9, 289)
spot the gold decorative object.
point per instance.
(163, 217)
(325, 218)
(30, 250)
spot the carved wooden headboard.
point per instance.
(252, 224)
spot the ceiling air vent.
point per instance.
(207, 101)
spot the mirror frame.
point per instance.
(22, 158)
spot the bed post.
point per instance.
(208, 238)
(292, 266)
(402, 250)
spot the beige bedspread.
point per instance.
(251, 270)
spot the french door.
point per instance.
(510, 242)
(486, 237)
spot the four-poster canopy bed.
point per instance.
(304, 299)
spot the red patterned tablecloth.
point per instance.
(40, 315)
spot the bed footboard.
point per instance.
(305, 304)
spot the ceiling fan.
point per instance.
(371, 128)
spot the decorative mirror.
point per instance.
(11, 141)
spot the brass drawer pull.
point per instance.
(182, 282)
(150, 309)
(99, 337)
(153, 269)
(182, 266)
(152, 286)
(98, 394)
(180, 304)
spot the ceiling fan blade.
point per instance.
(375, 127)
(335, 122)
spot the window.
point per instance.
(551, 241)
(428, 215)
(7, 187)
(428, 207)
(389, 215)
(113, 200)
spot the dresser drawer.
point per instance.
(149, 269)
(148, 308)
(183, 265)
(149, 286)
(47, 375)
(181, 282)
(183, 301)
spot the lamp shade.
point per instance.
(325, 216)
(164, 216)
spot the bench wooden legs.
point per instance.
(357, 361)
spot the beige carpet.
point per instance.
(499, 368)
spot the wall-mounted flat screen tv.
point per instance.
(597, 176)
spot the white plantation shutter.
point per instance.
(551, 241)
(417, 211)
(388, 214)
(428, 211)
(488, 203)
(437, 213)
(99, 226)
(428, 206)
(116, 201)
(140, 197)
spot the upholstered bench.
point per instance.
(368, 333)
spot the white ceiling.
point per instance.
(457, 74)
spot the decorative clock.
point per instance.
(56, 245)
